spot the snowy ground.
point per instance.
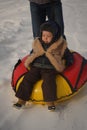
(15, 42)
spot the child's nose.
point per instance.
(46, 38)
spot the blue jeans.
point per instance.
(39, 13)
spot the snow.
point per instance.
(15, 42)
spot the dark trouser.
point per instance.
(39, 12)
(48, 86)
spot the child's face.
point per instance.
(47, 37)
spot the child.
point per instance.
(45, 62)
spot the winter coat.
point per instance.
(54, 53)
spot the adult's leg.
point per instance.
(57, 13)
(26, 87)
(38, 16)
(49, 85)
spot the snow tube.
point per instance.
(68, 83)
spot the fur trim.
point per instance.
(37, 48)
(58, 65)
(55, 44)
(54, 53)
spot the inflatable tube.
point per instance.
(68, 83)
